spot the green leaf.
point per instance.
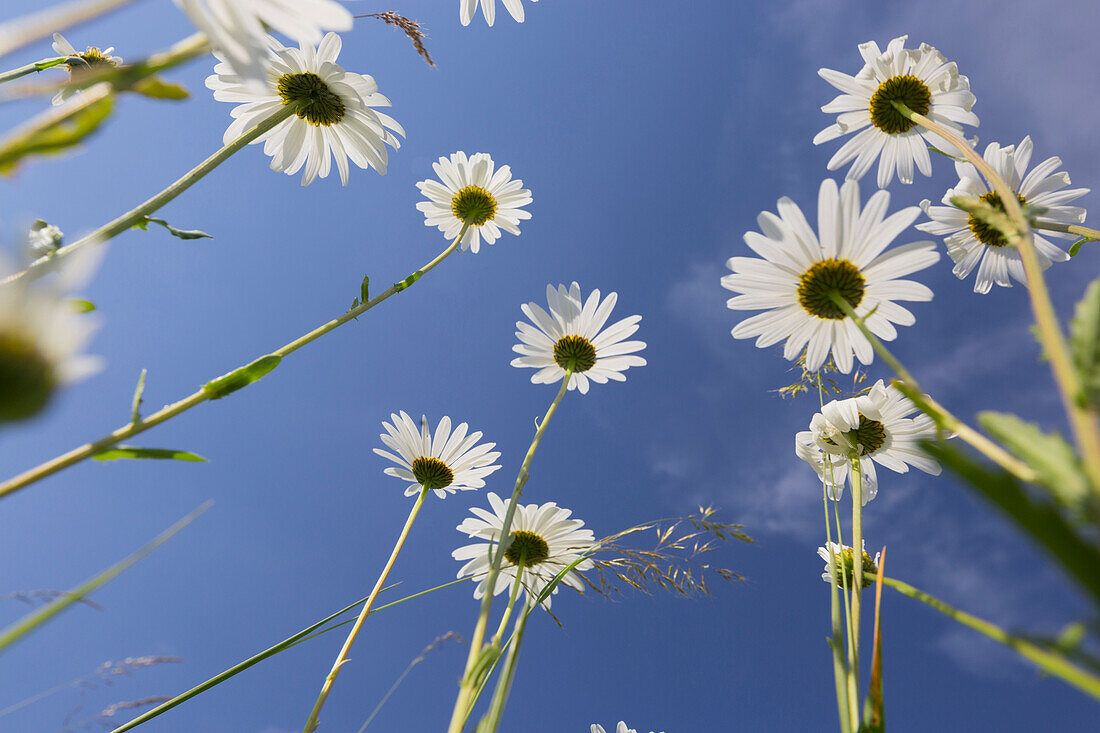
(156, 88)
(132, 451)
(240, 378)
(181, 233)
(364, 289)
(81, 306)
(1084, 336)
(1041, 520)
(1076, 246)
(1048, 453)
(36, 618)
(56, 138)
(135, 403)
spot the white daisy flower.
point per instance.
(467, 8)
(922, 80)
(572, 336)
(844, 557)
(448, 462)
(472, 193)
(544, 540)
(971, 242)
(872, 426)
(236, 28)
(80, 63)
(799, 270)
(42, 338)
(336, 116)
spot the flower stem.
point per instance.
(469, 681)
(836, 642)
(134, 216)
(32, 68)
(495, 641)
(342, 657)
(202, 395)
(491, 721)
(857, 580)
(1082, 419)
(15, 34)
(1093, 235)
(944, 419)
(1048, 661)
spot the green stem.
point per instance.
(495, 641)
(137, 214)
(469, 682)
(856, 474)
(1093, 235)
(1082, 419)
(15, 34)
(836, 643)
(944, 419)
(342, 657)
(1048, 661)
(491, 721)
(176, 408)
(32, 68)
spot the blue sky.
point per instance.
(651, 137)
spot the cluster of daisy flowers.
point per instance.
(818, 287)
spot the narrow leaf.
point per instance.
(874, 715)
(181, 233)
(240, 378)
(156, 88)
(364, 289)
(81, 306)
(55, 138)
(1048, 453)
(1085, 342)
(1076, 246)
(36, 618)
(1041, 520)
(132, 451)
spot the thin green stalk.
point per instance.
(32, 68)
(15, 34)
(491, 721)
(1093, 235)
(836, 643)
(856, 472)
(469, 680)
(1082, 419)
(342, 657)
(130, 218)
(176, 408)
(33, 620)
(495, 641)
(1048, 661)
(304, 635)
(943, 418)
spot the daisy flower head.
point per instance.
(973, 243)
(874, 428)
(543, 541)
(80, 63)
(844, 556)
(42, 337)
(445, 462)
(572, 337)
(471, 193)
(236, 28)
(802, 271)
(467, 8)
(922, 80)
(335, 119)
